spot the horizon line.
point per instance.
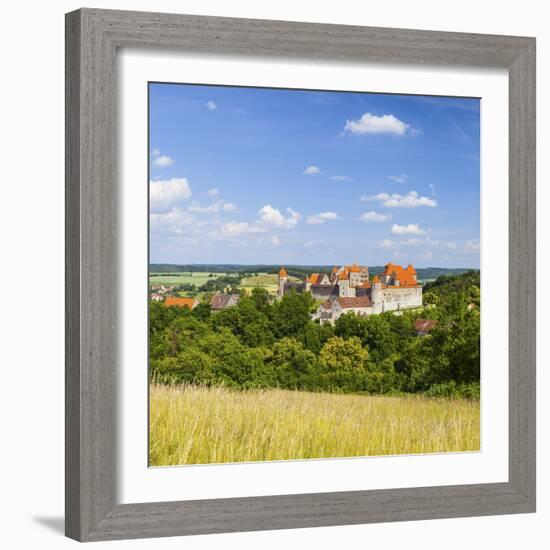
(299, 265)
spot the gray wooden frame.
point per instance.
(92, 38)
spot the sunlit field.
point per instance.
(263, 280)
(197, 425)
(196, 278)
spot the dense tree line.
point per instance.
(263, 343)
(300, 271)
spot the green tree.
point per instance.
(291, 314)
(202, 311)
(251, 326)
(234, 363)
(341, 354)
(190, 365)
(260, 297)
(293, 365)
(315, 335)
(345, 362)
(184, 331)
(431, 298)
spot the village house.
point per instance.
(349, 288)
(176, 301)
(424, 326)
(222, 301)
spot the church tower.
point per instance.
(283, 278)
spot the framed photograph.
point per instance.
(297, 275)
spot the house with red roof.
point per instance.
(423, 327)
(176, 301)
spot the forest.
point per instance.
(263, 343)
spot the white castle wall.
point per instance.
(337, 311)
(401, 298)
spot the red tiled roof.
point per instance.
(314, 278)
(282, 272)
(424, 325)
(404, 276)
(326, 305)
(360, 301)
(180, 302)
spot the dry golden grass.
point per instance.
(191, 425)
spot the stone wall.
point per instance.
(401, 298)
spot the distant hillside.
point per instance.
(423, 273)
(452, 284)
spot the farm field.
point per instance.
(199, 425)
(197, 278)
(262, 280)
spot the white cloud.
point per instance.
(236, 229)
(311, 244)
(211, 106)
(219, 206)
(374, 217)
(410, 229)
(176, 221)
(195, 207)
(163, 160)
(428, 242)
(410, 200)
(272, 216)
(155, 153)
(401, 178)
(214, 192)
(413, 242)
(372, 124)
(275, 241)
(340, 178)
(471, 247)
(164, 193)
(385, 243)
(322, 217)
(311, 170)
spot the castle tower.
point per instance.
(308, 284)
(343, 286)
(376, 296)
(282, 279)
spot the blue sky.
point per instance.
(257, 175)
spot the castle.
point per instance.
(349, 288)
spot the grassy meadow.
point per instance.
(197, 278)
(266, 281)
(199, 425)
